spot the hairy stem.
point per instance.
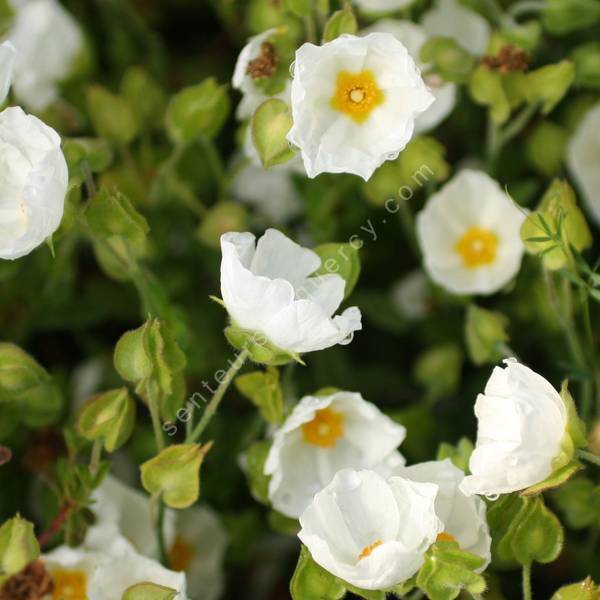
(527, 582)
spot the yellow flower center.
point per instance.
(366, 551)
(445, 537)
(477, 247)
(325, 428)
(181, 554)
(356, 95)
(69, 585)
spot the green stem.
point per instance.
(527, 582)
(592, 458)
(153, 405)
(517, 125)
(213, 405)
(96, 456)
(492, 145)
(311, 29)
(160, 535)
(216, 164)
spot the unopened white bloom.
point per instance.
(7, 65)
(380, 6)
(522, 422)
(413, 36)
(449, 18)
(463, 516)
(48, 42)
(583, 158)
(323, 435)
(368, 531)
(354, 103)
(469, 233)
(34, 179)
(267, 288)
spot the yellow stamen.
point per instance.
(325, 428)
(181, 554)
(366, 551)
(445, 537)
(477, 247)
(69, 585)
(356, 95)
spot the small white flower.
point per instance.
(583, 158)
(463, 516)
(469, 232)
(411, 296)
(323, 435)
(449, 18)
(413, 36)
(380, 6)
(354, 103)
(7, 65)
(34, 179)
(371, 532)
(522, 422)
(267, 288)
(48, 41)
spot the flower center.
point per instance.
(69, 585)
(325, 428)
(477, 247)
(445, 537)
(181, 554)
(366, 551)
(356, 95)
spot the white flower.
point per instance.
(411, 296)
(413, 37)
(463, 516)
(252, 95)
(583, 158)
(354, 103)
(7, 64)
(267, 288)
(469, 232)
(379, 6)
(449, 18)
(323, 435)
(371, 532)
(34, 179)
(521, 424)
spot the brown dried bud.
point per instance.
(32, 583)
(509, 59)
(265, 64)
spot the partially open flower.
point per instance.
(371, 532)
(7, 64)
(34, 178)
(323, 435)
(354, 103)
(469, 232)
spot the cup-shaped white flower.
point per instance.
(583, 158)
(381, 6)
(7, 64)
(34, 178)
(413, 36)
(267, 288)
(354, 103)
(323, 435)
(463, 516)
(469, 233)
(371, 532)
(522, 425)
(48, 42)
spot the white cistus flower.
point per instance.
(323, 435)
(7, 65)
(469, 232)
(371, 532)
(382, 6)
(583, 158)
(267, 288)
(48, 42)
(34, 179)
(413, 37)
(463, 516)
(521, 424)
(449, 18)
(354, 103)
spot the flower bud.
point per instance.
(110, 417)
(18, 545)
(587, 65)
(222, 217)
(149, 591)
(485, 333)
(584, 590)
(263, 390)
(449, 60)
(560, 17)
(111, 115)
(438, 370)
(270, 125)
(144, 96)
(549, 84)
(340, 22)
(546, 146)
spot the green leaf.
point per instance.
(342, 260)
(549, 84)
(485, 335)
(300, 8)
(149, 591)
(579, 501)
(111, 115)
(260, 350)
(485, 87)
(556, 479)
(270, 125)
(561, 17)
(145, 97)
(256, 457)
(263, 390)
(310, 581)
(340, 22)
(223, 217)
(438, 370)
(448, 59)
(459, 454)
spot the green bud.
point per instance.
(459, 454)
(340, 22)
(222, 217)
(587, 65)
(92, 153)
(579, 501)
(18, 545)
(584, 590)
(111, 115)
(561, 17)
(258, 482)
(448, 59)
(174, 474)
(548, 85)
(526, 35)
(198, 110)
(486, 88)
(310, 580)
(266, 14)
(263, 390)
(556, 216)
(260, 350)
(109, 416)
(145, 97)
(270, 125)
(438, 370)
(546, 147)
(339, 259)
(485, 335)
(149, 591)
